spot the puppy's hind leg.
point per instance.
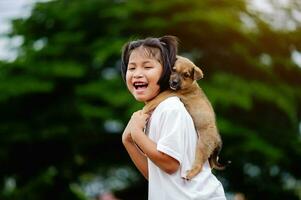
(201, 156)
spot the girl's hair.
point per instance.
(164, 49)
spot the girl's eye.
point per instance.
(148, 67)
(131, 68)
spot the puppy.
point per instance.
(183, 84)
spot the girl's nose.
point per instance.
(138, 74)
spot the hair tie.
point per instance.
(163, 43)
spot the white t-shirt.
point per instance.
(172, 128)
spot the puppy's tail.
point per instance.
(213, 160)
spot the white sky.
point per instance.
(10, 9)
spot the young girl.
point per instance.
(162, 146)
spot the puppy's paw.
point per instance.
(193, 172)
(146, 110)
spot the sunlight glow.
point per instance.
(296, 57)
(281, 14)
(300, 129)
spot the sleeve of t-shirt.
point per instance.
(171, 140)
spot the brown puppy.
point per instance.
(183, 84)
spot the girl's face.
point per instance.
(143, 74)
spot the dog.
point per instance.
(183, 83)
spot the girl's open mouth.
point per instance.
(140, 85)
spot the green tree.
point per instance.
(64, 104)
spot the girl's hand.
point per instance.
(137, 123)
(126, 136)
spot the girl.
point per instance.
(162, 146)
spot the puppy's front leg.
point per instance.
(152, 104)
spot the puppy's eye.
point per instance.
(186, 75)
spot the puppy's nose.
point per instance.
(174, 82)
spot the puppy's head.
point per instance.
(184, 73)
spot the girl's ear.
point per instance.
(198, 73)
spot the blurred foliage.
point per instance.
(63, 103)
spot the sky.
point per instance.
(10, 9)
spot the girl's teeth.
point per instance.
(140, 85)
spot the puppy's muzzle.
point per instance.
(175, 84)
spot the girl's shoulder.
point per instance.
(171, 104)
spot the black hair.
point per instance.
(167, 45)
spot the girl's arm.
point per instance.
(149, 147)
(136, 155)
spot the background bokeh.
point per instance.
(64, 105)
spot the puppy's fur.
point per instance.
(183, 84)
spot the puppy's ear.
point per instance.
(198, 73)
